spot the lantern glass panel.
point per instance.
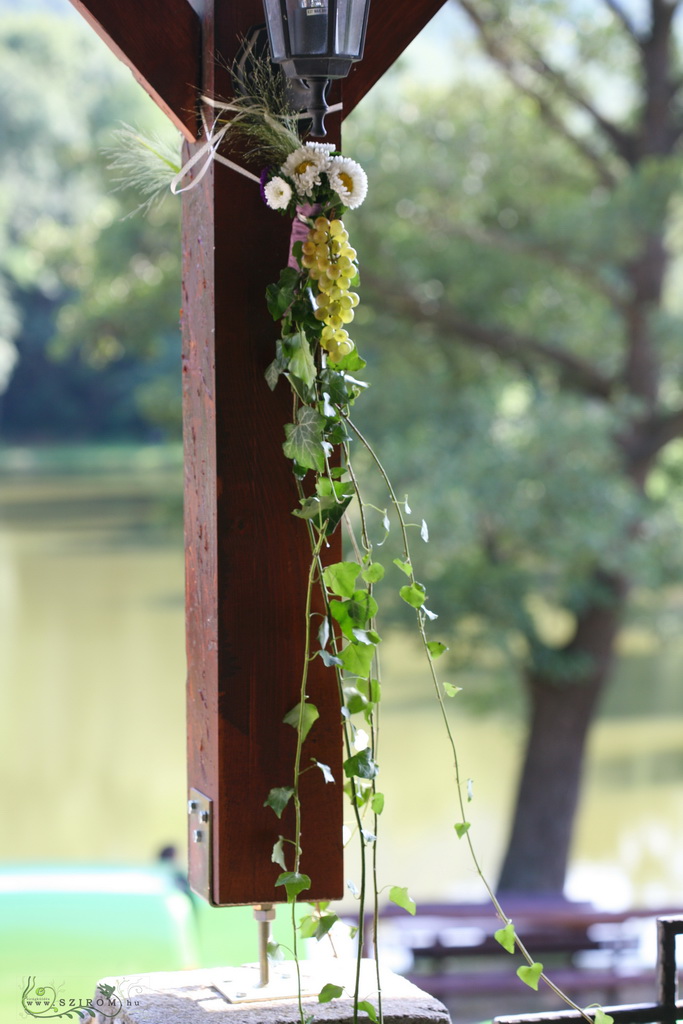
(278, 46)
(350, 27)
(308, 27)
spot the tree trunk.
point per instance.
(561, 714)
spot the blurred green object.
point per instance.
(67, 926)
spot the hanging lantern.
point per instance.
(315, 41)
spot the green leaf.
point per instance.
(278, 799)
(354, 613)
(530, 975)
(278, 854)
(294, 882)
(377, 803)
(308, 926)
(399, 895)
(329, 992)
(405, 567)
(603, 1018)
(301, 362)
(352, 362)
(436, 649)
(414, 595)
(461, 828)
(374, 573)
(275, 950)
(341, 577)
(357, 659)
(506, 937)
(326, 922)
(304, 439)
(354, 700)
(303, 720)
(361, 766)
(368, 1008)
(451, 690)
(280, 296)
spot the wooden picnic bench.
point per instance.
(450, 950)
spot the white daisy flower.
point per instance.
(349, 181)
(305, 165)
(278, 193)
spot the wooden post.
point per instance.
(247, 557)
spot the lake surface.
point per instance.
(92, 673)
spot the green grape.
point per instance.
(355, 299)
(344, 283)
(333, 272)
(347, 315)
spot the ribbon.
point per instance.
(208, 151)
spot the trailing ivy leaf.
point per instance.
(314, 507)
(324, 633)
(436, 649)
(461, 828)
(355, 700)
(294, 883)
(430, 615)
(309, 716)
(301, 362)
(307, 926)
(326, 922)
(352, 362)
(354, 613)
(278, 799)
(367, 636)
(329, 992)
(329, 659)
(405, 567)
(361, 766)
(414, 595)
(334, 386)
(374, 573)
(304, 439)
(386, 523)
(280, 296)
(424, 532)
(357, 659)
(377, 803)
(275, 951)
(399, 895)
(506, 937)
(325, 769)
(278, 854)
(603, 1018)
(368, 1008)
(368, 836)
(353, 888)
(530, 974)
(341, 577)
(451, 690)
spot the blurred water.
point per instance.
(92, 734)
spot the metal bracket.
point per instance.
(200, 847)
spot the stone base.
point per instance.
(203, 996)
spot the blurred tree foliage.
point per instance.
(519, 281)
(82, 289)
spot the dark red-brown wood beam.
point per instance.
(392, 25)
(160, 41)
(247, 557)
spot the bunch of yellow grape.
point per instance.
(330, 262)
